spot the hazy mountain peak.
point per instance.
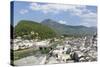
(68, 29)
(48, 21)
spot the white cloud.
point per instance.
(62, 22)
(89, 22)
(85, 24)
(88, 18)
(54, 8)
(23, 11)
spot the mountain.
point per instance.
(62, 29)
(26, 27)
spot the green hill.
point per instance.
(69, 30)
(30, 29)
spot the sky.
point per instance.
(62, 13)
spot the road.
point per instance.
(31, 60)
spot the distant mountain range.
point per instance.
(50, 28)
(62, 29)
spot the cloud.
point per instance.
(54, 8)
(62, 22)
(88, 18)
(89, 22)
(23, 11)
(85, 24)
